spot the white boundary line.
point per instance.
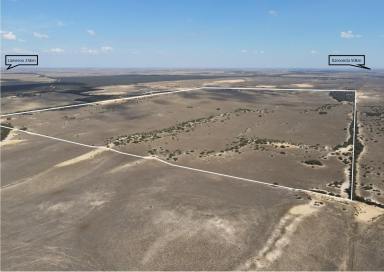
(190, 168)
(353, 147)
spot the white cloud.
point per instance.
(91, 32)
(252, 51)
(349, 35)
(313, 52)
(106, 49)
(40, 35)
(272, 12)
(89, 51)
(20, 51)
(256, 52)
(8, 36)
(96, 51)
(60, 23)
(56, 50)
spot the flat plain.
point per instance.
(213, 181)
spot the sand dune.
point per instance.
(9, 140)
(366, 213)
(302, 85)
(280, 237)
(127, 165)
(84, 157)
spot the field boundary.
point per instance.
(352, 181)
(353, 147)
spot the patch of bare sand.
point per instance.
(265, 86)
(302, 85)
(346, 184)
(127, 165)
(79, 206)
(280, 237)
(360, 158)
(367, 213)
(84, 157)
(9, 140)
(226, 81)
(368, 97)
(173, 225)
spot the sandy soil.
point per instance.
(302, 85)
(226, 81)
(214, 127)
(67, 207)
(280, 237)
(113, 204)
(265, 86)
(367, 214)
(87, 156)
(10, 140)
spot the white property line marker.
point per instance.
(353, 146)
(173, 165)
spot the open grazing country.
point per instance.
(223, 170)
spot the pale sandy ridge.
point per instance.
(84, 157)
(302, 85)
(9, 139)
(280, 237)
(366, 213)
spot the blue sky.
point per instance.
(193, 33)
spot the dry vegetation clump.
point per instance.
(5, 131)
(313, 162)
(183, 127)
